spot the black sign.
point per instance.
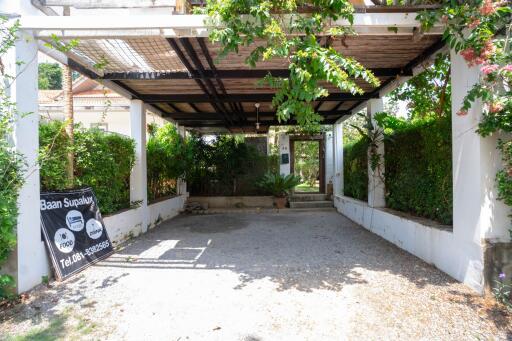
(73, 230)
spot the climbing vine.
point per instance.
(279, 30)
(11, 163)
(480, 31)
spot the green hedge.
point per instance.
(168, 156)
(418, 161)
(227, 166)
(103, 161)
(355, 170)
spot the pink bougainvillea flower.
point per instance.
(462, 113)
(487, 69)
(468, 54)
(474, 23)
(495, 107)
(487, 8)
(507, 68)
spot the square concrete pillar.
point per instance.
(477, 214)
(329, 159)
(138, 177)
(376, 186)
(338, 158)
(29, 263)
(181, 182)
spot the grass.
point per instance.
(59, 328)
(304, 187)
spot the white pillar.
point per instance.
(338, 158)
(284, 148)
(477, 214)
(138, 177)
(31, 260)
(376, 186)
(181, 183)
(329, 159)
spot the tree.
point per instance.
(304, 40)
(428, 93)
(50, 76)
(67, 85)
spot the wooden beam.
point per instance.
(232, 74)
(180, 115)
(267, 97)
(200, 70)
(191, 70)
(209, 60)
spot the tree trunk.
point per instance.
(67, 87)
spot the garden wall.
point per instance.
(433, 243)
(127, 224)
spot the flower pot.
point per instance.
(280, 202)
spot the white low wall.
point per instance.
(128, 224)
(432, 243)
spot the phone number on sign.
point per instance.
(97, 248)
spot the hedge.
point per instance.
(168, 157)
(227, 166)
(103, 161)
(418, 162)
(418, 169)
(355, 170)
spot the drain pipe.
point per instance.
(43, 8)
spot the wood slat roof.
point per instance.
(185, 79)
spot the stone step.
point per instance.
(311, 204)
(308, 197)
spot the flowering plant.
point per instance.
(502, 291)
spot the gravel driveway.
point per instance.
(287, 276)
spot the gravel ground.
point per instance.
(287, 276)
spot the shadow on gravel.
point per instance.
(303, 251)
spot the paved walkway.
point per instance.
(288, 276)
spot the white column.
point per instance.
(284, 148)
(338, 158)
(329, 159)
(376, 187)
(477, 214)
(31, 260)
(138, 177)
(181, 183)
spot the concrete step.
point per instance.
(311, 204)
(307, 197)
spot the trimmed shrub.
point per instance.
(418, 163)
(168, 157)
(355, 170)
(103, 161)
(227, 166)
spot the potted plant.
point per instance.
(279, 186)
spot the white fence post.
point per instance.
(138, 177)
(376, 186)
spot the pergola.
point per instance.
(166, 64)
